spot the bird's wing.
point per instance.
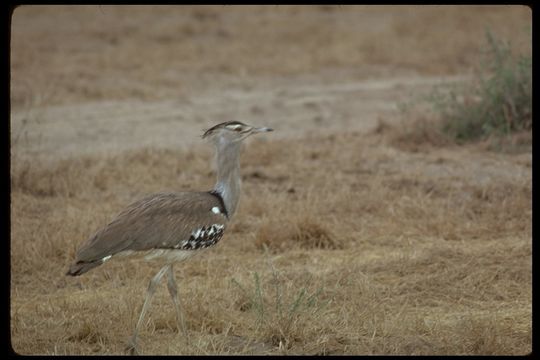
(163, 220)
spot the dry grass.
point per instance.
(392, 261)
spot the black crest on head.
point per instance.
(222, 125)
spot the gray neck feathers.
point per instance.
(228, 174)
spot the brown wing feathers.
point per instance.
(182, 221)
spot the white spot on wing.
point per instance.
(215, 210)
(106, 258)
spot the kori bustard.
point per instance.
(172, 227)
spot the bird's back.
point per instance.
(164, 222)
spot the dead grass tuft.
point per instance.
(419, 134)
(87, 333)
(422, 134)
(515, 143)
(290, 233)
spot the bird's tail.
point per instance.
(80, 267)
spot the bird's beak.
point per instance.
(261, 129)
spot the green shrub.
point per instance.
(497, 103)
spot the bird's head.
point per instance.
(232, 131)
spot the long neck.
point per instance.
(228, 174)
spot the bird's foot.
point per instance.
(182, 329)
(131, 346)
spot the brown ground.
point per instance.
(361, 241)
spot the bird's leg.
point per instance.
(173, 290)
(132, 343)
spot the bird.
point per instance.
(173, 226)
